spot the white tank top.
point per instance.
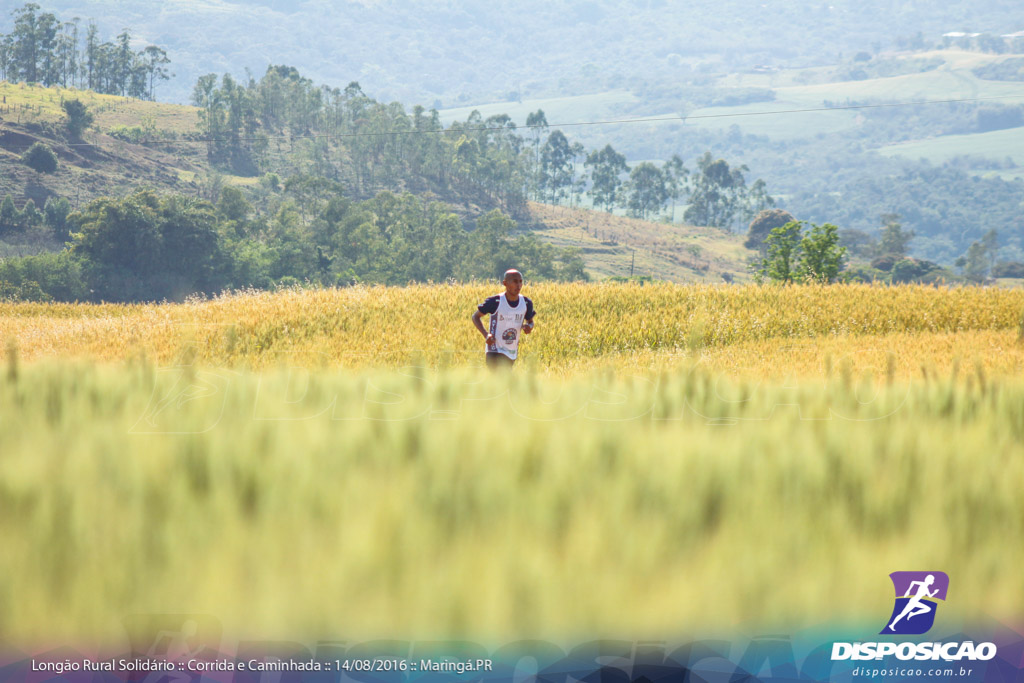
(507, 326)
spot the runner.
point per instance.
(510, 314)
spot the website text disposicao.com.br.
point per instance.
(906, 672)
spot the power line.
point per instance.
(607, 122)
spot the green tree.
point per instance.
(42, 49)
(10, 217)
(718, 193)
(156, 61)
(916, 270)
(47, 28)
(758, 199)
(26, 42)
(821, 256)
(68, 52)
(647, 191)
(7, 58)
(92, 54)
(606, 167)
(858, 243)
(43, 277)
(990, 243)
(147, 247)
(571, 267)
(975, 263)
(209, 101)
(576, 184)
(537, 122)
(79, 117)
(894, 239)
(30, 215)
(784, 253)
(232, 204)
(124, 59)
(987, 42)
(676, 176)
(55, 213)
(40, 158)
(556, 166)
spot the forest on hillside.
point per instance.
(316, 152)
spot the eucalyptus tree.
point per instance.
(676, 176)
(718, 193)
(556, 166)
(646, 192)
(537, 122)
(606, 167)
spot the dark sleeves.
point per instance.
(490, 305)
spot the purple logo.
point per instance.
(917, 594)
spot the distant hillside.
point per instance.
(617, 246)
(466, 51)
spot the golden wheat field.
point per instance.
(337, 463)
(761, 332)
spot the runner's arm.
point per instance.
(480, 327)
(531, 313)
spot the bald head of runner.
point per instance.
(513, 281)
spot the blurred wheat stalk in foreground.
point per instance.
(444, 504)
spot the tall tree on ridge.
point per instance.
(606, 168)
(556, 165)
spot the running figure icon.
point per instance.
(916, 601)
(916, 604)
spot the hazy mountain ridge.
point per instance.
(464, 52)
